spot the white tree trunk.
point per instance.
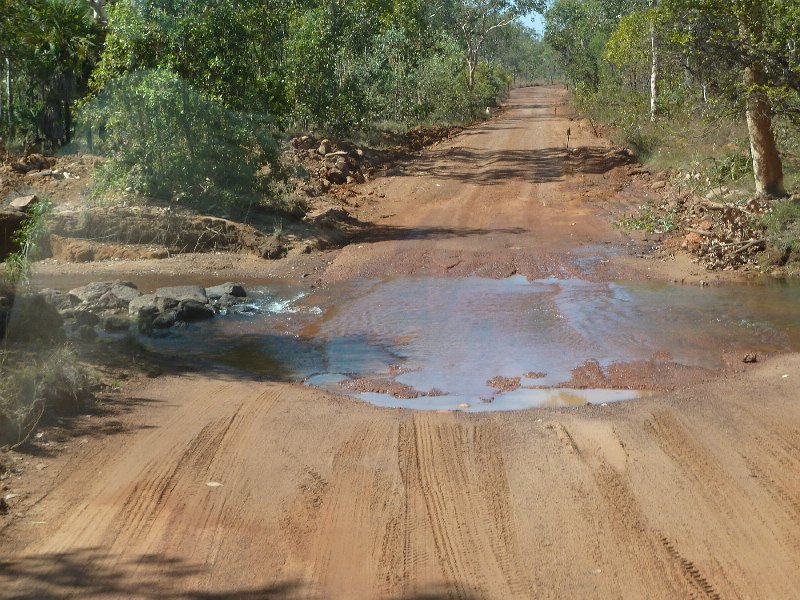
(654, 64)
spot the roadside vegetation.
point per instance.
(708, 92)
(40, 375)
(190, 101)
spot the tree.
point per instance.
(477, 19)
(755, 39)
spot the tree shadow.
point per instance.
(94, 573)
(545, 165)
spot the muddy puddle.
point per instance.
(481, 344)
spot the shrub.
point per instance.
(33, 387)
(783, 231)
(168, 141)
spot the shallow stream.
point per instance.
(388, 341)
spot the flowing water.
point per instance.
(443, 339)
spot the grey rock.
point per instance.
(24, 202)
(165, 304)
(114, 294)
(192, 310)
(183, 292)
(231, 289)
(145, 302)
(85, 317)
(61, 301)
(226, 301)
(31, 319)
(116, 323)
(165, 320)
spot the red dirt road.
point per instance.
(691, 494)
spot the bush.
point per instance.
(33, 387)
(168, 141)
(783, 231)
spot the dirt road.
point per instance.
(213, 486)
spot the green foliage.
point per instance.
(28, 238)
(168, 141)
(782, 226)
(51, 47)
(651, 220)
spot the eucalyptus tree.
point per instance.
(756, 39)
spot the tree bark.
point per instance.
(654, 68)
(767, 166)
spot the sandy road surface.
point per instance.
(692, 494)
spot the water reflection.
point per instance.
(453, 335)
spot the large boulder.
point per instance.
(183, 292)
(142, 306)
(106, 295)
(192, 310)
(61, 301)
(231, 289)
(31, 319)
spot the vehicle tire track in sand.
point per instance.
(457, 507)
(726, 498)
(658, 564)
(150, 508)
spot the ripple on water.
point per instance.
(449, 337)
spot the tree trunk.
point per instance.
(9, 97)
(767, 166)
(654, 65)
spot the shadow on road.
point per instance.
(93, 573)
(490, 167)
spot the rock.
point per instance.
(31, 318)
(61, 301)
(324, 147)
(192, 310)
(85, 317)
(117, 293)
(227, 300)
(183, 292)
(232, 289)
(165, 320)
(24, 203)
(166, 304)
(3, 506)
(116, 323)
(750, 358)
(142, 306)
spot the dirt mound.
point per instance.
(100, 230)
(62, 180)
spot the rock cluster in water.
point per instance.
(118, 306)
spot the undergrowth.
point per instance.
(35, 385)
(651, 220)
(782, 226)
